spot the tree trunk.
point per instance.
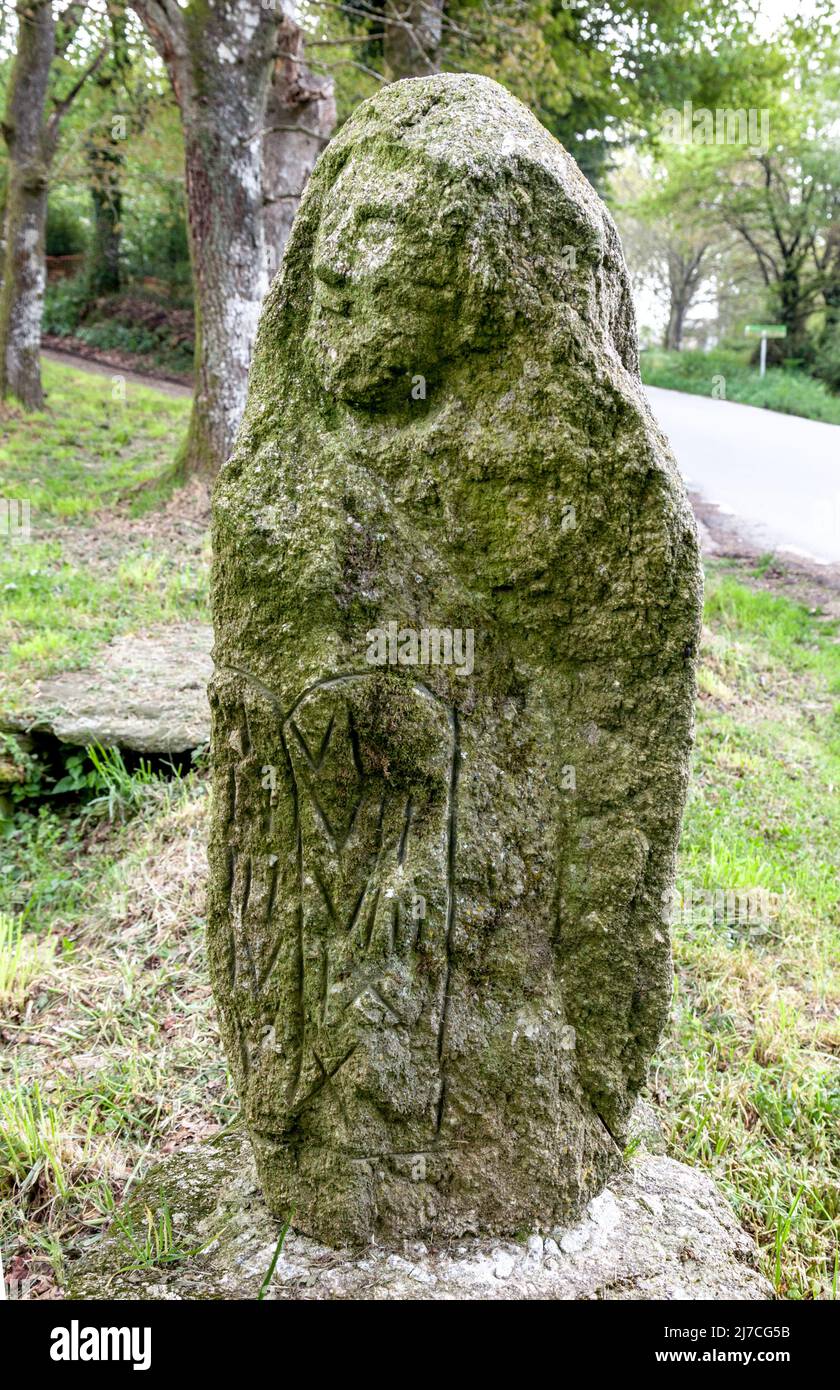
(24, 270)
(219, 60)
(676, 324)
(413, 31)
(793, 313)
(105, 162)
(227, 250)
(831, 275)
(684, 277)
(299, 119)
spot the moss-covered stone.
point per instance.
(659, 1232)
(436, 927)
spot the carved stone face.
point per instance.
(387, 299)
(434, 919)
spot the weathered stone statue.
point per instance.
(456, 601)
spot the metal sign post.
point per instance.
(765, 331)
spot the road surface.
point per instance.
(777, 475)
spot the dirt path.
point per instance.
(101, 368)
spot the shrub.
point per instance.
(67, 234)
(155, 245)
(65, 305)
(786, 389)
(827, 358)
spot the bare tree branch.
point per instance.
(292, 129)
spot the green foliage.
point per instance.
(111, 323)
(786, 389)
(616, 65)
(95, 776)
(100, 777)
(766, 211)
(155, 244)
(24, 774)
(65, 304)
(597, 75)
(67, 231)
(110, 333)
(827, 357)
(80, 775)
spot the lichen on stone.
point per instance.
(436, 918)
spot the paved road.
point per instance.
(778, 475)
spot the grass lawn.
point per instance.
(87, 448)
(727, 375)
(749, 1081)
(109, 1049)
(106, 552)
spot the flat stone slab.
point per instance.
(659, 1231)
(145, 691)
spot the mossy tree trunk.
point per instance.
(106, 161)
(830, 266)
(31, 136)
(220, 59)
(24, 269)
(299, 119)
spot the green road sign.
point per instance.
(765, 330)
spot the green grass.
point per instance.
(152, 1242)
(749, 1078)
(88, 449)
(101, 464)
(127, 1060)
(110, 1051)
(56, 613)
(34, 1145)
(45, 869)
(727, 375)
(746, 1080)
(269, 1274)
(48, 869)
(21, 960)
